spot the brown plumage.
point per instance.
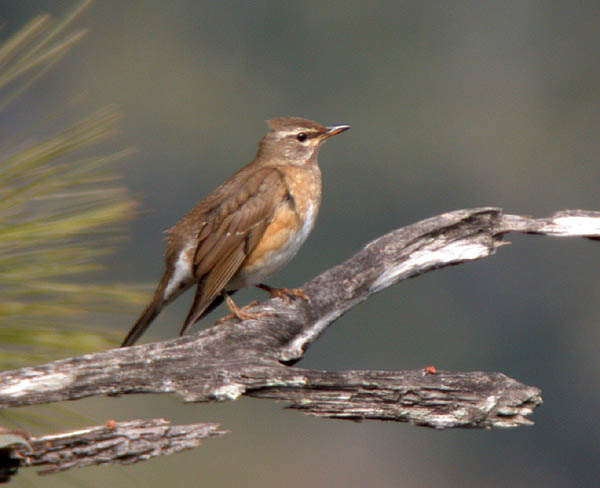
(249, 227)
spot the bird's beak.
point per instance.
(332, 130)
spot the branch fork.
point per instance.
(256, 357)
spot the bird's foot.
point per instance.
(284, 293)
(241, 313)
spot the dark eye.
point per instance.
(301, 137)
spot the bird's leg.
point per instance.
(284, 293)
(241, 313)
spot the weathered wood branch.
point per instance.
(441, 400)
(115, 442)
(253, 357)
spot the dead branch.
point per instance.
(116, 442)
(254, 357)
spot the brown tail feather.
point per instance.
(197, 310)
(148, 315)
(194, 316)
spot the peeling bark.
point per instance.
(256, 357)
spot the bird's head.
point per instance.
(296, 140)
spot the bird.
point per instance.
(246, 229)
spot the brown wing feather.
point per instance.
(253, 203)
(213, 283)
(231, 231)
(208, 290)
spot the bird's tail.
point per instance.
(148, 315)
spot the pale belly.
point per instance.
(257, 271)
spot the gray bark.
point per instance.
(255, 357)
(116, 442)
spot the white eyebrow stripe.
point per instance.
(295, 131)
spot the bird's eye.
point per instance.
(301, 137)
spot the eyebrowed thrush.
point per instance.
(246, 229)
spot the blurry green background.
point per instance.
(452, 104)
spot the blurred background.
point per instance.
(452, 105)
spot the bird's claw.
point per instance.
(241, 313)
(284, 293)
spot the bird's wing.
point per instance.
(232, 229)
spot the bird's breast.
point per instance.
(290, 227)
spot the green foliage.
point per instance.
(60, 210)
